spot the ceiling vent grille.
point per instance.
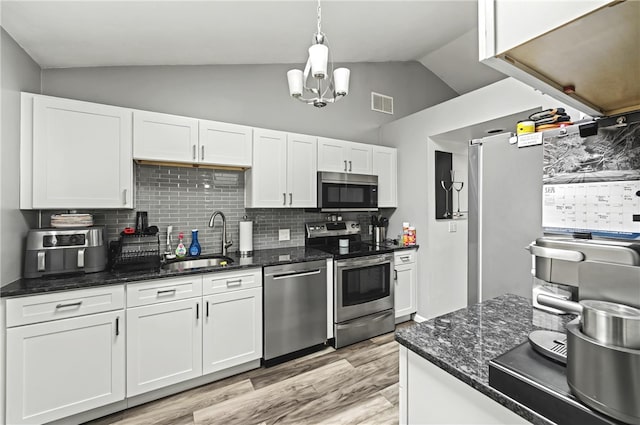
(381, 103)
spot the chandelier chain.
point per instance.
(319, 18)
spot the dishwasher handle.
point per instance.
(296, 274)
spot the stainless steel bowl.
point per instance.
(607, 322)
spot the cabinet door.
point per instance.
(81, 155)
(63, 367)
(405, 290)
(386, 168)
(232, 331)
(225, 144)
(164, 345)
(302, 175)
(268, 176)
(332, 155)
(163, 137)
(359, 158)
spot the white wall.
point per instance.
(442, 279)
(255, 95)
(19, 72)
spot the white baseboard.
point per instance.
(419, 319)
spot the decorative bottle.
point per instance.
(194, 248)
(181, 251)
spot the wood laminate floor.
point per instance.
(357, 384)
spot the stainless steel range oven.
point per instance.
(363, 281)
(363, 298)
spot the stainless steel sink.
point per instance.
(219, 261)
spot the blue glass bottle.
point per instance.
(194, 248)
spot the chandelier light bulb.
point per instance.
(341, 81)
(319, 57)
(294, 77)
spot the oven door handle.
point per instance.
(376, 260)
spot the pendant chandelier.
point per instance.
(328, 87)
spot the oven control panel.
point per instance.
(332, 228)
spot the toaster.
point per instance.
(55, 251)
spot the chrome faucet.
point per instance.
(225, 243)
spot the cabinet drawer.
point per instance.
(62, 305)
(407, 256)
(216, 283)
(163, 290)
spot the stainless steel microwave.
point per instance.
(347, 192)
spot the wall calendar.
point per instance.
(592, 184)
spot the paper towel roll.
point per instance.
(246, 238)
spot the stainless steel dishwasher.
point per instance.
(295, 308)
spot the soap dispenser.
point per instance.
(181, 251)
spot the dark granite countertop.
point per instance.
(463, 342)
(260, 258)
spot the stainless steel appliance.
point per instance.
(363, 281)
(601, 372)
(53, 251)
(295, 308)
(347, 192)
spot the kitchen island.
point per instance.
(444, 362)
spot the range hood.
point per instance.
(591, 63)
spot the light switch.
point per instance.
(453, 227)
(284, 234)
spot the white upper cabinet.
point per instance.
(284, 172)
(171, 138)
(163, 137)
(225, 144)
(385, 166)
(344, 157)
(266, 181)
(74, 154)
(585, 53)
(302, 175)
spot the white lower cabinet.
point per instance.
(59, 368)
(232, 331)
(406, 275)
(164, 345)
(432, 396)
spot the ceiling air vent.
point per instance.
(381, 103)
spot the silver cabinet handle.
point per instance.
(350, 167)
(207, 308)
(202, 153)
(290, 198)
(236, 282)
(395, 275)
(284, 199)
(194, 152)
(345, 165)
(197, 311)
(124, 197)
(81, 258)
(166, 291)
(117, 325)
(41, 261)
(405, 258)
(76, 304)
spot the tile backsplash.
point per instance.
(186, 197)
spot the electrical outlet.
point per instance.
(453, 227)
(284, 234)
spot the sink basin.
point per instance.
(196, 264)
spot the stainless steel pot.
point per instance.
(602, 376)
(606, 322)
